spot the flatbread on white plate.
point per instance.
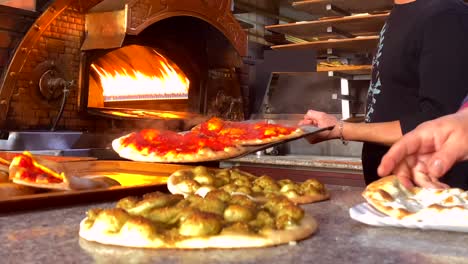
(388, 196)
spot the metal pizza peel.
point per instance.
(308, 131)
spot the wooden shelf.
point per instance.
(358, 25)
(342, 7)
(277, 39)
(347, 69)
(353, 45)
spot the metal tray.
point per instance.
(136, 178)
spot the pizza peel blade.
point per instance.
(308, 131)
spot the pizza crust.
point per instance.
(382, 192)
(203, 155)
(307, 227)
(76, 183)
(305, 199)
(54, 186)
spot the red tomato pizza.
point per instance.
(247, 133)
(153, 145)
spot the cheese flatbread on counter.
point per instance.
(219, 220)
(200, 180)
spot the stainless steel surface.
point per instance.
(40, 140)
(69, 143)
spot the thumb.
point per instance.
(441, 162)
(305, 122)
(312, 113)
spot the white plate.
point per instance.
(366, 214)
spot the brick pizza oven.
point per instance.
(76, 51)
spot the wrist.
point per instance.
(341, 125)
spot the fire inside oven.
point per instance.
(174, 68)
(137, 73)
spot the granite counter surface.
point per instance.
(52, 237)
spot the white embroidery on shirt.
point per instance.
(374, 88)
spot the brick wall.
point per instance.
(13, 25)
(60, 43)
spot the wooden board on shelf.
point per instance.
(358, 25)
(352, 45)
(318, 7)
(347, 69)
(277, 39)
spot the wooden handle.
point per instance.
(4, 162)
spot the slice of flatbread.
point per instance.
(391, 198)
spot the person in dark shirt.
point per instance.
(425, 154)
(420, 72)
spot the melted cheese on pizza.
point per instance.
(170, 143)
(244, 131)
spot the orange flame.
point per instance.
(140, 73)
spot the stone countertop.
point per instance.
(312, 161)
(52, 237)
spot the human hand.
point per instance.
(321, 120)
(424, 155)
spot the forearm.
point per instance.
(385, 133)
